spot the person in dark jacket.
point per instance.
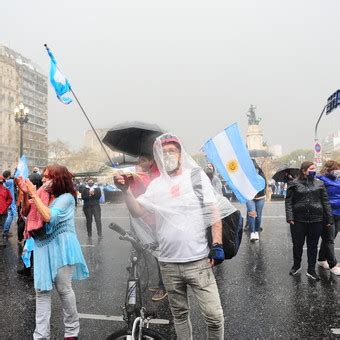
(307, 211)
(91, 196)
(255, 207)
(330, 175)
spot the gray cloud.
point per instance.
(193, 67)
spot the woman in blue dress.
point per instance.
(57, 254)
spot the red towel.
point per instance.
(34, 219)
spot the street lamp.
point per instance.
(333, 102)
(301, 158)
(21, 117)
(292, 162)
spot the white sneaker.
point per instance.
(257, 236)
(323, 264)
(335, 270)
(252, 237)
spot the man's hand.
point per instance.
(216, 254)
(122, 182)
(291, 222)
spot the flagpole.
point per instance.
(92, 127)
(86, 116)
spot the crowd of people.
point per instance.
(164, 207)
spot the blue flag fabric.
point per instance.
(27, 252)
(22, 168)
(228, 153)
(59, 81)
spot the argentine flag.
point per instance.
(228, 153)
(58, 80)
(22, 168)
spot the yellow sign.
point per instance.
(232, 166)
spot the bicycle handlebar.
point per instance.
(117, 229)
(127, 236)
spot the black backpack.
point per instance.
(232, 225)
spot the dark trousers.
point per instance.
(328, 236)
(160, 282)
(3, 218)
(301, 231)
(91, 211)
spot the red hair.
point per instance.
(62, 180)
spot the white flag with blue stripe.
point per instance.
(59, 81)
(228, 153)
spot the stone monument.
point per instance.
(254, 132)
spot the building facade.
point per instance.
(21, 81)
(331, 143)
(91, 142)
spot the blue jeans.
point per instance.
(10, 216)
(254, 223)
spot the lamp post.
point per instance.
(21, 117)
(333, 102)
(301, 158)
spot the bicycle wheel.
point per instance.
(125, 334)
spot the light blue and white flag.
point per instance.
(228, 153)
(58, 80)
(22, 168)
(27, 252)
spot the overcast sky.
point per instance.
(193, 67)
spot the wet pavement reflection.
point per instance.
(259, 298)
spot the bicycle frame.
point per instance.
(134, 313)
(133, 296)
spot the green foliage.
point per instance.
(293, 157)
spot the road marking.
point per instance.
(106, 217)
(277, 216)
(87, 245)
(117, 318)
(305, 248)
(127, 217)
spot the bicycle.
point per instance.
(134, 314)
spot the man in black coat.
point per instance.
(91, 195)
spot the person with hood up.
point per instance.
(215, 181)
(330, 175)
(181, 231)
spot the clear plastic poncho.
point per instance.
(183, 204)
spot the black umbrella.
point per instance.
(133, 138)
(280, 176)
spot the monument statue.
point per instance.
(252, 119)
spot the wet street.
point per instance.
(259, 298)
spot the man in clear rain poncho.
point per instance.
(180, 229)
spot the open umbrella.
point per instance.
(133, 138)
(280, 176)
